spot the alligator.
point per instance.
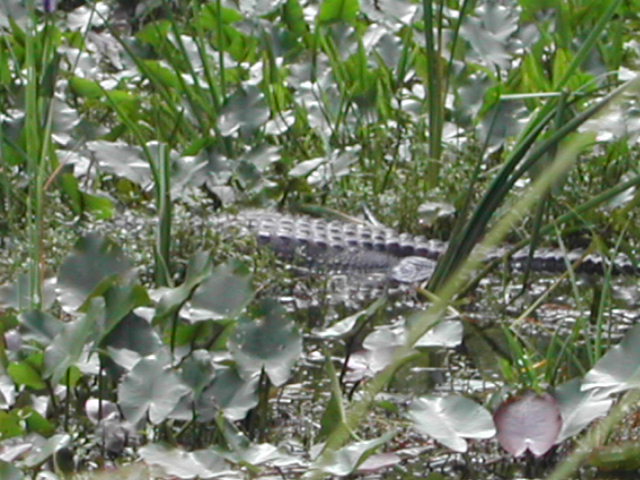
(363, 247)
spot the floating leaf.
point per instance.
(305, 167)
(121, 300)
(381, 345)
(41, 453)
(98, 410)
(42, 326)
(337, 165)
(11, 425)
(198, 371)
(379, 462)
(451, 419)
(447, 333)
(16, 295)
(134, 334)
(94, 260)
(268, 340)
(161, 75)
(255, 454)
(177, 463)
(224, 294)
(579, 407)
(246, 109)
(85, 88)
(71, 342)
(349, 324)
(280, 123)
(99, 207)
(229, 392)
(346, 460)
(35, 422)
(123, 160)
(198, 269)
(528, 422)
(619, 369)
(150, 386)
(489, 33)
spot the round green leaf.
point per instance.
(451, 419)
(268, 340)
(224, 294)
(93, 260)
(151, 386)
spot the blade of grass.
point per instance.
(434, 88)
(161, 175)
(461, 246)
(41, 63)
(538, 218)
(357, 411)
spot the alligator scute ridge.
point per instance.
(354, 246)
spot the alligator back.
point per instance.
(358, 246)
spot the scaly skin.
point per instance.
(350, 246)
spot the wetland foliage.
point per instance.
(142, 339)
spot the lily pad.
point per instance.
(67, 347)
(346, 460)
(619, 369)
(229, 392)
(123, 160)
(451, 419)
(447, 333)
(198, 269)
(41, 326)
(245, 110)
(528, 422)
(579, 407)
(94, 260)
(270, 340)
(151, 386)
(224, 294)
(178, 463)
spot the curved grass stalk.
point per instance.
(461, 246)
(514, 168)
(357, 411)
(434, 89)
